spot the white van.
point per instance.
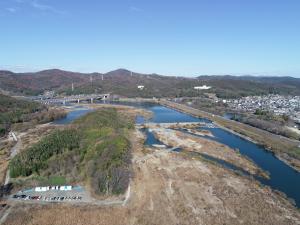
(66, 188)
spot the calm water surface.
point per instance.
(73, 115)
(282, 177)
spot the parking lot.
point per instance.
(75, 194)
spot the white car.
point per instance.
(65, 188)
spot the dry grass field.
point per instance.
(172, 189)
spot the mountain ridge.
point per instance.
(124, 82)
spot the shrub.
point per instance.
(35, 158)
(95, 149)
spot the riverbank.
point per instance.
(172, 188)
(285, 149)
(182, 140)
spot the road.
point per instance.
(14, 151)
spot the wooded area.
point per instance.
(95, 149)
(17, 111)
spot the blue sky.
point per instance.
(171, 37)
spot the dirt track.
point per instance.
(172, 188)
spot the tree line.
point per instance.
(95, 149)
(17, 111)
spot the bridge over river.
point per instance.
(74, 99)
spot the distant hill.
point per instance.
(35, 83)
(124, 82)
(235, 86)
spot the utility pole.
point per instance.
(91, 80)
(72, 87)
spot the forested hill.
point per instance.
(16, 111)
(36, 83)
(123, 82)
(235, 86)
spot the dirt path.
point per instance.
(14, 151)
(5, 215)
(172, 188)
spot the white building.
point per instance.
(204, 87)
(41, 189)
(141, 87)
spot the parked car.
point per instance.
(34, 197)
(16, 196)
(23, 196)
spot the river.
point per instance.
(72, 115)
(282, 177)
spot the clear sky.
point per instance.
(171, 37)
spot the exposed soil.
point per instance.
(4, 154)
(172, 188)
(123, 108)
(282, 147)
(197, 144)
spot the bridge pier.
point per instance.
(92, 100)
(78, 101)
(64, 102)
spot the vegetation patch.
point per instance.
(295, 151)
(25, 113)
(35, 158)
(95, 150)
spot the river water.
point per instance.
(282, 177)
(73, 115)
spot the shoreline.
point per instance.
(281, 158)
(211, 117)
(202, 114)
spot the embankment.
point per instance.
(284, 148)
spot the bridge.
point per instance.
(74, 99)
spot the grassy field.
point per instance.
(93, 150)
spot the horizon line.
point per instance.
(22, 71)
